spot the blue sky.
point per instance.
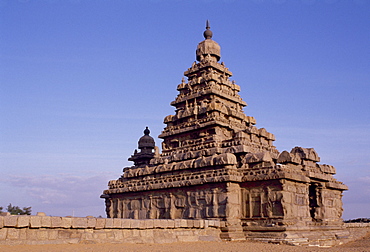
(80, 80)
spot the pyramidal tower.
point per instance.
(215, 164)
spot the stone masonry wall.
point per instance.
(26, 229)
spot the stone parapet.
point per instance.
(58, 230)
(357, 225)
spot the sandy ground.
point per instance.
(362, 244)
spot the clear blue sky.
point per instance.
(80, 80)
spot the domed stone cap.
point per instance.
(208, 46)
(146, 141)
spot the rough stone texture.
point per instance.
(79, 222)
(217, 165)
(56, 222)
(45, 221)
(35, 221)
(66, 222)
(10, 221)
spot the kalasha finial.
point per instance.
(146, 131)
(207, 33)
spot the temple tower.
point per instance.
(216, 164)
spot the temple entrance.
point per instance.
(313, 199)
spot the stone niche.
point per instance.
(216, 164)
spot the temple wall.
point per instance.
(197, 202)
(26, 229)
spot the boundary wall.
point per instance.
(26, 229)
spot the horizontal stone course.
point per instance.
(21, 221)
(25, 229)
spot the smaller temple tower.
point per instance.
(146, 146)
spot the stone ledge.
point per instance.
(35, 222)
(28, 235)
(356, 225)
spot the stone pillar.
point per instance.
(233, 230)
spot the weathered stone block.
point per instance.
(100, 235)
(66, 222)
(76, 233)
(126, 223)
(3, 233)
(53, 234)
(135, 223)
(40, 214)
(177, 223)
(64, 234)
(190, 223)
(147, 235)
(10, 221)
(23, 234)
(201, 224)
(1, 221)
(170, 224)
(32, 233)
(79, 222)
(23, 221)
(118, 236)
(117, 223)
(56, 222)
(35, 221)
(183, 223)
(164, 236)
(91, 222)
(13, 234)
(157, 223)
(142, 224)
(46, 221)
(42, 234)
(100, 223)
(197, 223)
(109, 223)
(149, 224)
(87, 236)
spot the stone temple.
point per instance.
(216, 164)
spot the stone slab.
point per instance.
(45, 221)
(117, 223)
(109, 223)
(56, 222)
(35, 221)
(66, 222)
(23, 221)
(91, 222)
(79, 222)
(149, 224)
(100, 223)
(126, 223)
(10, 221)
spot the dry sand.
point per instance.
(362, 244)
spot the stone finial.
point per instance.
(146, 131)
(208, 33)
